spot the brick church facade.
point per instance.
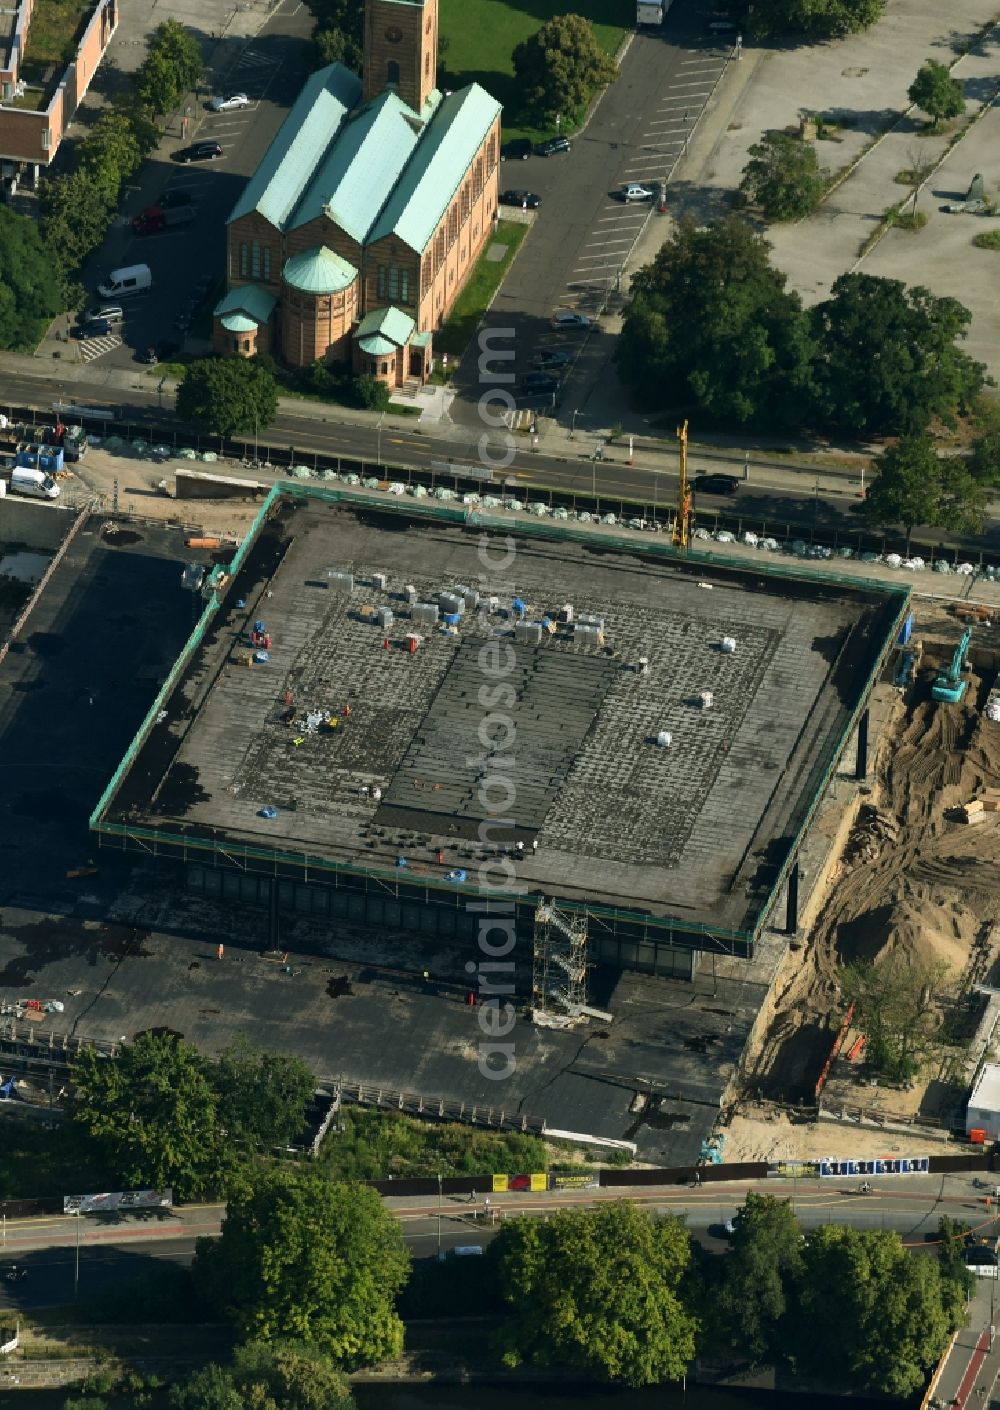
(357, 232)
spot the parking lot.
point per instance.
(269, 69)
(584, 231)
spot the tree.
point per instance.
(814, 19)
(985, 460)
(783, 176)
(75, 213)
(292, 1375)
(153, 1111)
(372, 394)
(175, 43)
(915, 486)
(711, 328)
(267, 1376)
(115, 148)
(888, 357)
(757, 1278)
(262, 1096)
(936, 92)
(31, 282)
(868, 1312)
(560, 67)
(339, 34)
(229, 396)
(155, 84)
(958, 1277)
(895, 1005)
(303, 1259)
(597, 1291)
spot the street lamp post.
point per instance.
(378, 447)
(440, 1197)
(76, 1267)
(572, 428)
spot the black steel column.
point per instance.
(861, 758)
(792, 900)
(272, 922)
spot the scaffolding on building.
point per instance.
(559, 968)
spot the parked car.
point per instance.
(113, 313)
(540, 382)
(634, 192)
(723, 27)
(148, 356)
(551, 357)
(552, 145)
(199, 152)
(527, 200)
(173, 200)
(716, 484)
(123, 283)
(225, 105)
(517, 151)
(154, 219)
(94, 328)
(570, 319)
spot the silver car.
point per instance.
(233, 100)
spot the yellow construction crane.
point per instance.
(682, 524)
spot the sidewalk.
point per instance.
(970, 1372)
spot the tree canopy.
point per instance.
(598, 1291)
(31, 282)
(916, 487)
(754, 1284)
(303, 1259)
(814, 19)
(172, 68)
(889, 360)
(229, 396)
(895, 1003)
(711, 326)
(560, 67)
(153, 1111)
(339, 34)
(783, 176)
(870, 1310)
(267, 1376)
(936, 92)
(262, 1096)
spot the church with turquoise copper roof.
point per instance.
(365, 218)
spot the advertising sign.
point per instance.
(576, 1180)
(115, 1200)
(912, 1165)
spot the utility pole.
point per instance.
(76, 1269)
(440, 1197)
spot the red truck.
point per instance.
(156, 218)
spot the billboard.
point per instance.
(115, 1200)
(912, 1165)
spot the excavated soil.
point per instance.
(913, 883)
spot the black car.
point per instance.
(551, 357)
(94, 328)
(552, 145)
(199, 152)
(517, 151)
(527, 200)
(716, 484)
(172, 200)
(540, 382)
(148, 356)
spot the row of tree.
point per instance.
(712, 330)
(161, 1113)
(614, 1293)
(39, 263)
(813, 19)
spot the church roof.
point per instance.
(317, 117)
(383, 324)
(438, 167)
(245, 301)
(318, 271)
(351, 181)
(378, 170)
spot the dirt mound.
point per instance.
(914, 884)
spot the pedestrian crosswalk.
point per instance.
(97, 347)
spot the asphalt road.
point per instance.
(583, 233)
(110, 1252)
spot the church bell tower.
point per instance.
(401, 49)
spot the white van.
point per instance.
(24, 480)
(133, 279)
